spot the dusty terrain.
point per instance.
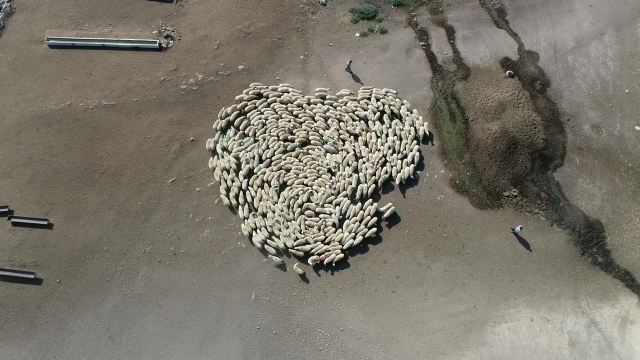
(141, 266)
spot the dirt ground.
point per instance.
(143, 263)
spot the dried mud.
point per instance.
(504, 129)
(498, 133)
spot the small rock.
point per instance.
(58, 280)
(331, 44)
(357, 34)
(638, 128)
(510, 74)
(172, 180)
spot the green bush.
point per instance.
(363, 12)
(364, 34)
(396, 3)
(371, 29)
(378, 19)
(383, 30)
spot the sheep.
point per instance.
(301, 170)
(276, 260)
(297, 269)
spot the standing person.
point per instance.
(348, 69)
(517, 229)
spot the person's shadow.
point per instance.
(525, 244)
(355, 78)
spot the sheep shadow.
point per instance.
(344, 264)
(387, 187)
(408, 184)
(331, 269)
(265, 253)
(393, 220)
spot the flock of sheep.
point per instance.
(300, 170)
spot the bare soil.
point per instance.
(143, 263)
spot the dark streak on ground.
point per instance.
(588, 233)
(449, 116)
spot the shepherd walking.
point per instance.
(348, 68)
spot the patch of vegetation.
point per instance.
(378, 19)
(451, 125)
(363, 12)
(372, 28)
(396, 3)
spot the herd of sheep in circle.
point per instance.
(300, 170)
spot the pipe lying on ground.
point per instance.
(68, 42)
(18, 273)
(28, 220)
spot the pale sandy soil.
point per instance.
(149, 268)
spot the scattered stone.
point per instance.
(638, 128)
(510, 74)
(172, 180)
(168, 36)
